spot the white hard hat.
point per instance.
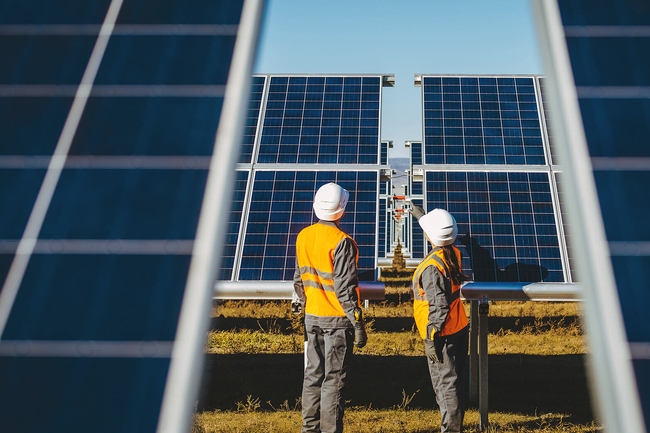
(330, 201)
(440, 227)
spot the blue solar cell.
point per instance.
(61, 12)
(617, 127)
(99, 297)
(19, 137)
(203, 12)
(125, 204)
(628, 271)
(148, 126)
(622, 13)
(17, 195)
(234, 224)
(625, 204)
(63, 57)
(137, 59)
(132, 388)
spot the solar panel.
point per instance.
(508, 218)
(295, 122)
(321, 119)
(281, 205)
(506, 223)
(416, 152)
(481, 120)
(109, 117)
(599, 79)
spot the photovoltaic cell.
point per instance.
(95, 315)
(565, 227)
(609, 52)
(481, 120)
(252, 119)
(281, 206)
(234, 224)
(416, 153)
(383, 159)
(506, 223)
(384, 240)
(324, 120)
(418, 241)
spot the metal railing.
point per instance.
(280, 290)
(480, 294)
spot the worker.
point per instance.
(440, 317)
(327, 287)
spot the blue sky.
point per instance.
(400, 37)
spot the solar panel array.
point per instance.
(309, 130)
(109, 112)
(485, 162)
(602, 60)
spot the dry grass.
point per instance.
(282, 309)
(541, 338)
(398, 420)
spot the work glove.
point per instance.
(430, 344)
(360, 336)
(296, 307)
(416, 211)
(430, 351)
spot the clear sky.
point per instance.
(400, 37)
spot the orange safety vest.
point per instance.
(456, 319)
(315, 247)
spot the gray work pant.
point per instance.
(328, 353)
(448, 380)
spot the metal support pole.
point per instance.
(483, 309)
(473, 352)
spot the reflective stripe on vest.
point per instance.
(456, 319)
(315, 248)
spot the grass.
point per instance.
(555, 341)
(282, 309)
(537, 378)
(397, 420)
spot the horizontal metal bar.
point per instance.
(477, 290)
(279, 290)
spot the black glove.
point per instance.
(360, 336)
(416, 211)
(296, 307)
(430, 351)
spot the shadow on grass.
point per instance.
(526, 384)
(388, 324)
